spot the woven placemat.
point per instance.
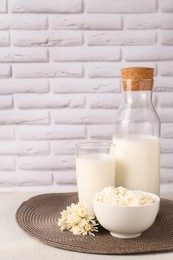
(39, 215)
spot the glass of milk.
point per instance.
(95, 169)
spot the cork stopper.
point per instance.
(137, 78)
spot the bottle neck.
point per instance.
(137, 91)
(137, 97)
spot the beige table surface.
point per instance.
(15, 244)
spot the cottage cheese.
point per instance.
(123, 197)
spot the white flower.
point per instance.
(78, 220)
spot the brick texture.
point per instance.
(23, 22)
(3, 6)
(46, 6)
(148, 22)
(13, 86)
(5, 71)
(60, 82)
(122, 38)
(86, 22)
(44, 38)
(23, 55)
(4, 39)
(85, 54)
(166, 6)
(7, 133)
(48, 70)
(121, 6)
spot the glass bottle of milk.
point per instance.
(137, 133)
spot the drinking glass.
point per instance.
(95, 169)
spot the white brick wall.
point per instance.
(60, 82)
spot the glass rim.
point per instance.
(94, 144)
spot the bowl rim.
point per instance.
(156, 198)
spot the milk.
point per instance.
(94, 172)
(138, 163)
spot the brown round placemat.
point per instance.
(39, 215)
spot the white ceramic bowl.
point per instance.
(126, 222)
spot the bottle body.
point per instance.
(138, 163)
(137, 139)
